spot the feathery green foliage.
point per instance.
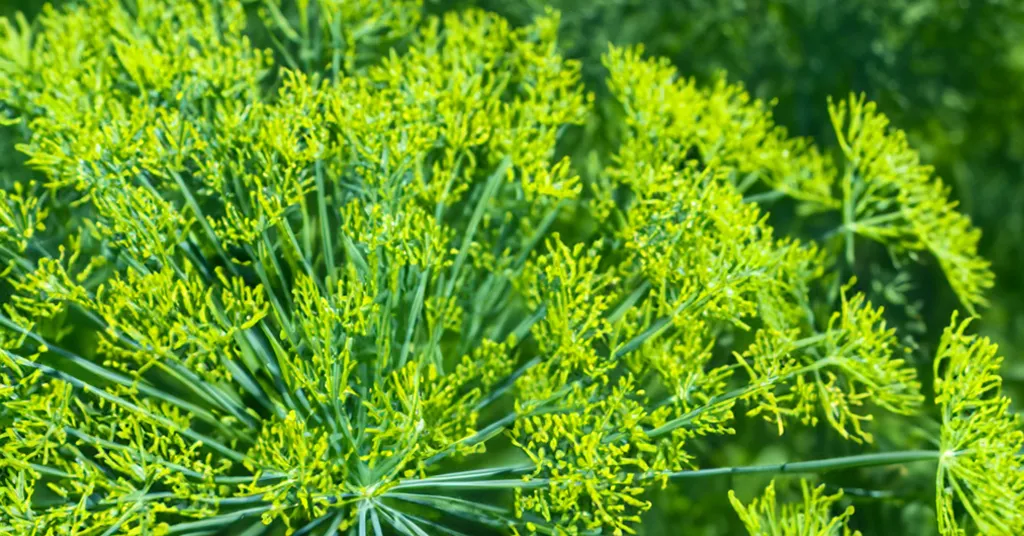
(354, 283)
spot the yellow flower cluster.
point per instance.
(339, 283)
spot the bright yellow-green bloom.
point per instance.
(353, 284)
(982, 440)
(763, 517)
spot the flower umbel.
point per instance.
(322, 267)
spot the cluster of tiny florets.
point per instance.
(353, 282)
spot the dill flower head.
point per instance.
(360, 281)
(982, 440)
(764, 517)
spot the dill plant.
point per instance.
(352, 283)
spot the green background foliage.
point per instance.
(948, 72)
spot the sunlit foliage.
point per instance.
(353, 283)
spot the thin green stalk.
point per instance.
(656, 327)
(413, 521)
(219, 521)
(813, 466)
(22, 262)
(848, 216)
(363, 507)
(483, 435)
(494, 516)
(271, 258)
(190, 200)
(629, 302)
(403, 522)
(210, 393)
(113, 502)
(872, 221)
(336, 42)
(523, 329)
(302, 256)
(472, 474)
(375, 519)
(44, 470)
(283, 318)
(414, 315)
(477, 484)
(482, 513)
(538, 233)
(771, 195)
(121, 520)
(308, 528)
(810, 466)
(507, 384)
(490, 188)
(325, 231)
(730, 396)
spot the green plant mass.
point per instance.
(367, 267)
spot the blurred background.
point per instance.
(948, 72)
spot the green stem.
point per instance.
(872, 221)
(482, 436)
(325, 227)
(657, 327)
(538, 233)
(810, 466)
(299, 252)
(477, 484)
(735, 394)
(492, 516)
(204, 223)
(489, 190)
(506, 385)
(848, 217)
(814, 466)
(220, 521)
(772, 195)
(46, 470)
(414, 315)
(464, 475)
